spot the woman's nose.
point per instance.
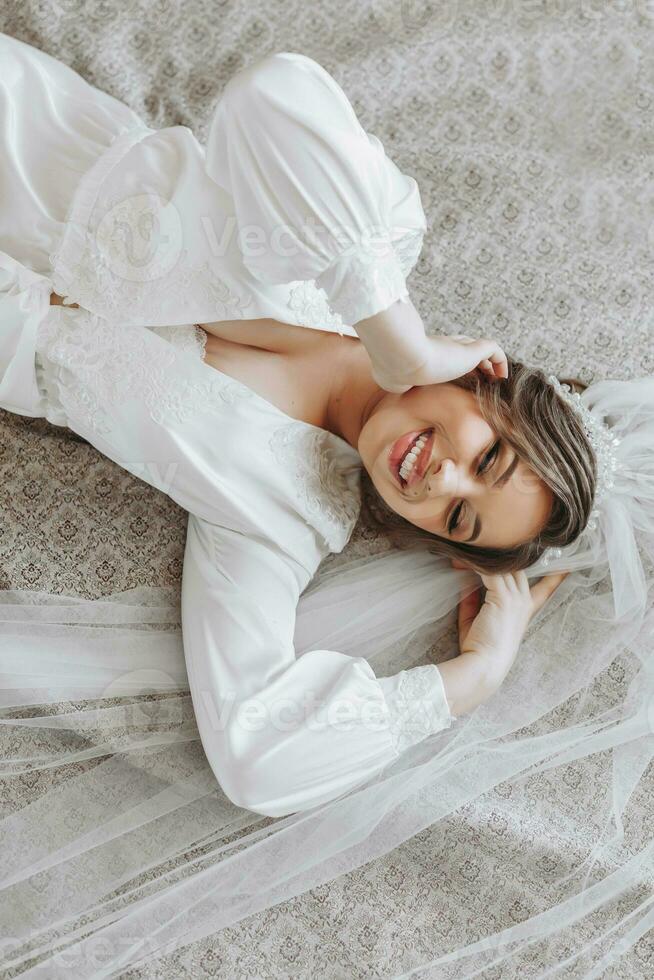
(444, 481)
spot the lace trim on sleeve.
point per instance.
(408, 249)
(364, 283)
(417, 705)
(310, 304)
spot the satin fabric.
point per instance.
(150, 227)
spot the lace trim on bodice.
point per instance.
(94, 363)
(191, 338)
(330, 500)
(86, 364)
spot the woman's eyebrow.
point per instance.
(508, 472)
(501, 480)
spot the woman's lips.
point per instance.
(398, 450)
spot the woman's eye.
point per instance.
(490, 455)
(455, 523)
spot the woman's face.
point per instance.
(460, 476)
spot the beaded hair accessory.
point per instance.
(603, 443)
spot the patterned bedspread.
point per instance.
(529, 127)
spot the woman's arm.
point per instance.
(285, 732)
(333, 207)
(396, 344)
(490, 633)
(402, 356)
(467, 683)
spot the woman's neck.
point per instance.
(353, 396)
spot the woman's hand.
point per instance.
(492, 630)
(452, 357)
(403, 356)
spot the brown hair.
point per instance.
(527, 413)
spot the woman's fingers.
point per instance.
(463, 338)
(487, 368)
(492, 359)
(469, 606)
(491, 352)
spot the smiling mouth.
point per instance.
(400, 450)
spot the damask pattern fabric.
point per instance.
(528, 128)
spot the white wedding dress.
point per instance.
(113, 215)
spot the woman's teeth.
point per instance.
(410, 458)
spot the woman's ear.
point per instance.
(456, 563)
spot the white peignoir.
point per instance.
(127, 222)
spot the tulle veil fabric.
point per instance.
(133, 851)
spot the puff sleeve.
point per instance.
(284, 732)
(315, 196)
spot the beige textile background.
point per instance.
(529, 125)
